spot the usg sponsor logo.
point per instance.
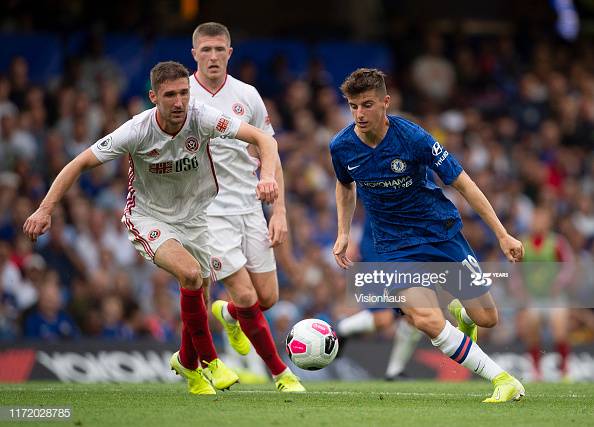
(161, 168)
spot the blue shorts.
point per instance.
(455, 250)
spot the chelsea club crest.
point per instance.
(398, 165)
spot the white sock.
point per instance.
(467, 353)
(226, 315)
(405, 341)
(357, 323)
(465, 318)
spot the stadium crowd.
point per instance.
(521, 121)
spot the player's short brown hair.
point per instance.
(167, 71)
(362, 80)
(210, 29)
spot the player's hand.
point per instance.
(37, 224)
(339, 251)
(267, 189)
(277, 229)
(512, 248)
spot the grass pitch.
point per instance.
(333, 404)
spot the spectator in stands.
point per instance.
(49, 321)
(547, 274)
(58, 251)
(114, 327)
(19, 81)
(6, 105)
(97, 68)
(434, 74)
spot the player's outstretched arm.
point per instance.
(267, 188)
(511, 247)
(40, 221)
(346, 200)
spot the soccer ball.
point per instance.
(312, 344)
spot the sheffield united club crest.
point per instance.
(216, 263)
(238, 109)
(154, 234)
(192, 144)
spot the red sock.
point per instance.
(195, 319)
(535, 354)
(254, 325)
(232, 309)
(563, 349)
(187, 353)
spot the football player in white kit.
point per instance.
(171, 182)
(241, 241)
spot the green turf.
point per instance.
(336, 404)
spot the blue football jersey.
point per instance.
(405, 207)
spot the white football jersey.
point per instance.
(236, 168)
(171, 177)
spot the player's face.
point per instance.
(172, 99)
(369, 110)
(212, 54)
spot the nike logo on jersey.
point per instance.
(352, 168)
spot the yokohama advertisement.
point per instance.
(100, 361)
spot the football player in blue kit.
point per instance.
(385, 159)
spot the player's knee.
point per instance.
(191, 277)
(268, 301)
(245, 297)
(490, 322)
(488, 318)
(427, 323)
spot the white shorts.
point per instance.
(237, 241)
(147, 234)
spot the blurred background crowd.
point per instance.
(516, 109)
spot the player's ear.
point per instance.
(194, 52)
(230, 51)
(387, 101)
(153, 96)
